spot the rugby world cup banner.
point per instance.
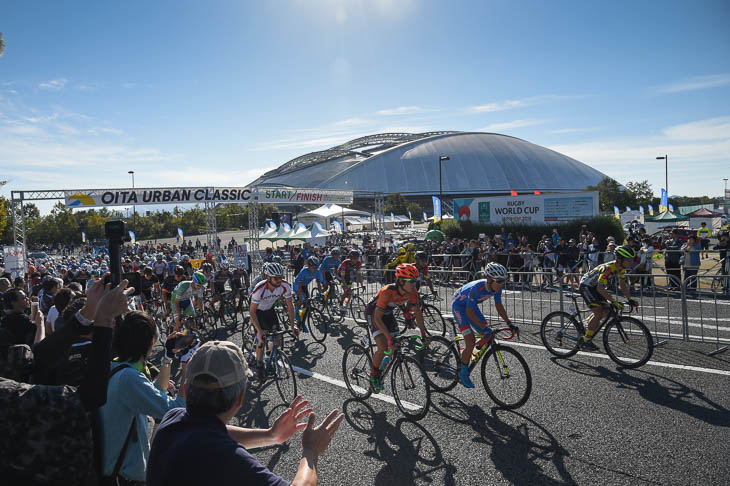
(168, 195)
(527, 209)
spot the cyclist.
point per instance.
(219, 282)
(263, 315)
(593, 289)
(422, 267)
(330, 264)
(470, 318)
(379, 314)
(184, 294)
(311, 271)
(149, 285)
(168, 286)
(349, 271)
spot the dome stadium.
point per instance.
(408, 163)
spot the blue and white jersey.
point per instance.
(305, 276)
(471, 294)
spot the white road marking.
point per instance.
(334, 381)
(652, 363)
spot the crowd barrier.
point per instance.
(691, 310)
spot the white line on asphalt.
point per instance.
(653, 363)
(334, 381)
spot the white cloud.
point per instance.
(309, 144)
(695, 83)
(404, 110)
(105, 130)
(574, 130)
(710, 129)
(511, 124)
(351, 122)
(86, 87)
(54, 84)
(129, 85)
(520, 103)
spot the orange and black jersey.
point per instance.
(388, 298)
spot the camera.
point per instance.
(116, 234)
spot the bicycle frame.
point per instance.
(485, 344)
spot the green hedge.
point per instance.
(601, 226)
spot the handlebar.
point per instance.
(513, 331)
(414, 337)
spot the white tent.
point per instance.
(270, 231)
(318, 234)
(284, 231)
(324, 214)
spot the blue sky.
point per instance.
(216, 93)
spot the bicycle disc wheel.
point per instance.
(628, 342)
(433, 320)
(286, 381)
(441, 363)
(506, 377)
(356, 368)
(317, 323)
(560, 335)
(410, 388)
(357, 308)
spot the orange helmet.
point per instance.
(406, 270)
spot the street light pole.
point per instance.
(134, 219)
(666, 173)
(441, 189)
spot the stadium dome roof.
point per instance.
(407, 163)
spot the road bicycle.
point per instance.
(226, 312)
(328, 302)
(505, 374)
(626, 339)
(202, 323)
(275, 361)
(408, 381)
(357, 304)
(313, 320)
(433, 320)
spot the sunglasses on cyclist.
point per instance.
(411, 280)
(499, 281)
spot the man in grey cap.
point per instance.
(217, 376)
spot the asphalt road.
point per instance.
(587, 422)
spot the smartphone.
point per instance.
(135, 280)
(33, 311)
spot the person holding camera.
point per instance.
(22, 328)
(199, 434)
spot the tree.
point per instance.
(396, 204)
(641, 191)
(611, 194)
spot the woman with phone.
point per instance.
(24, 329)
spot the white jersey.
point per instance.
(266, 297)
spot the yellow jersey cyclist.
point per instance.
(379, 314)
(595, 294)
(469, 317)
(184, 294)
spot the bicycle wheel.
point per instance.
(410, 388)
(357, 365)
(506, 377)
(286, 381)
(560, 335)
(230, 314)
(357, 308)
(248, 345)
(441, 363)
(433, 320)
(628, 342)
(317, 323)
(333, 308)
(206, 326)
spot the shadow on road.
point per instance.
(518, 451)
(657, 389)
(409, 451)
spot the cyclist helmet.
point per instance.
(313, 261)
(199, 278)
(186, 258)
(159, 256)
(496, 271)
(401, 251)
(421, 255)
(147, 271)
(272, 269)
(276, 259)
(354, 254)
(179, 270)
(410, 247)
(207, 267)
(335, 251)
(626, 251)
(224, 265)
(406, 270)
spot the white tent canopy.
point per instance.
(326, 213)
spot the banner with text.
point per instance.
(14, 260)
(528, 209)
(90, 198)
